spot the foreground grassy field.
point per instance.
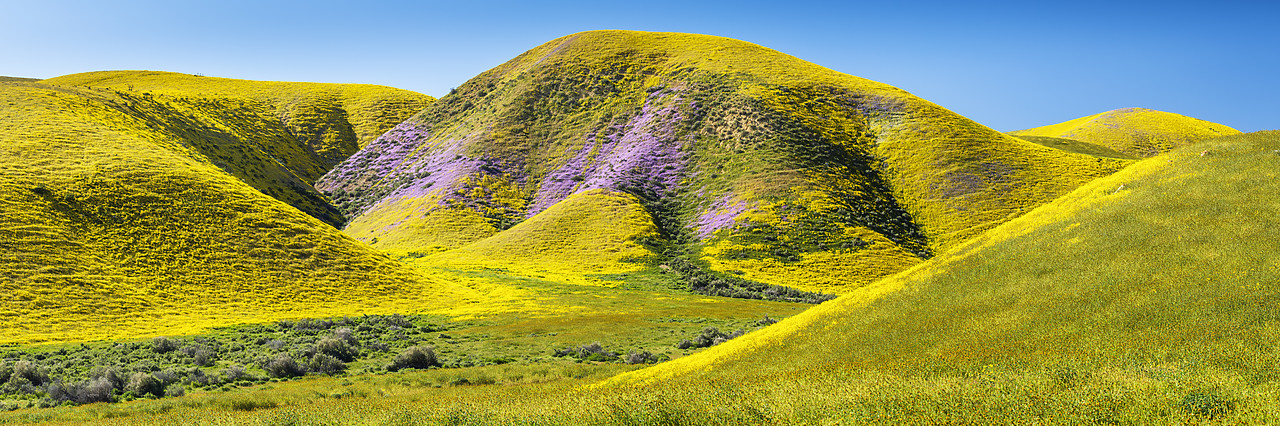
(1144, 297)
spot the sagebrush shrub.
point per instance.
(327, 364)
(162, 345)
(419, 357)
(30, 372)
(142, 384)
(284, 365)
(337, 348)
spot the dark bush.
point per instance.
(175, 390)
(95, 390)
(592, 352)
(29, 371)
(109, 374)
(345, 334)
(1207, 405)
(5, 371)
(197, 377)
(142, 384)
(327, 364)
(204, 356)
(336, 348)
(420, 357)
(641, 358)
(163, 345)
(283, 365)
(234, 374)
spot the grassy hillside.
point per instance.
(277, 137)
(116, 220)
(1144, 296)
(754, 162)
(1138, 132)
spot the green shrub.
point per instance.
(420, 357)
(283, 365)
(143, 384)
(336, 347)
(162, 345)
(327, 364)
(30, 372)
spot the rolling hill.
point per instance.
(278, 137)
(138, 203)
(1138, 132)
(749, 160)
(1145, 294)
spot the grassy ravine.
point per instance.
(1144, 297)
(788, 173)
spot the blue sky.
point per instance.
(1009, 65)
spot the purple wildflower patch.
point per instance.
(643, 155)
(722, 214)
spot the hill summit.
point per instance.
(1137, 132)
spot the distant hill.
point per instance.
(1138, 132)
(127, 212)
(1156, 283)
(757, 162)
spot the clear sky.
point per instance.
(1009, 65)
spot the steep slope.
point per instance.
(113, 223)
(1141, 294)
(1139, 132)
(278, 137)
(763, 164)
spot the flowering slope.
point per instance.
(118, 219)
(278, 137)
(762, 164)
(1156, 283)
